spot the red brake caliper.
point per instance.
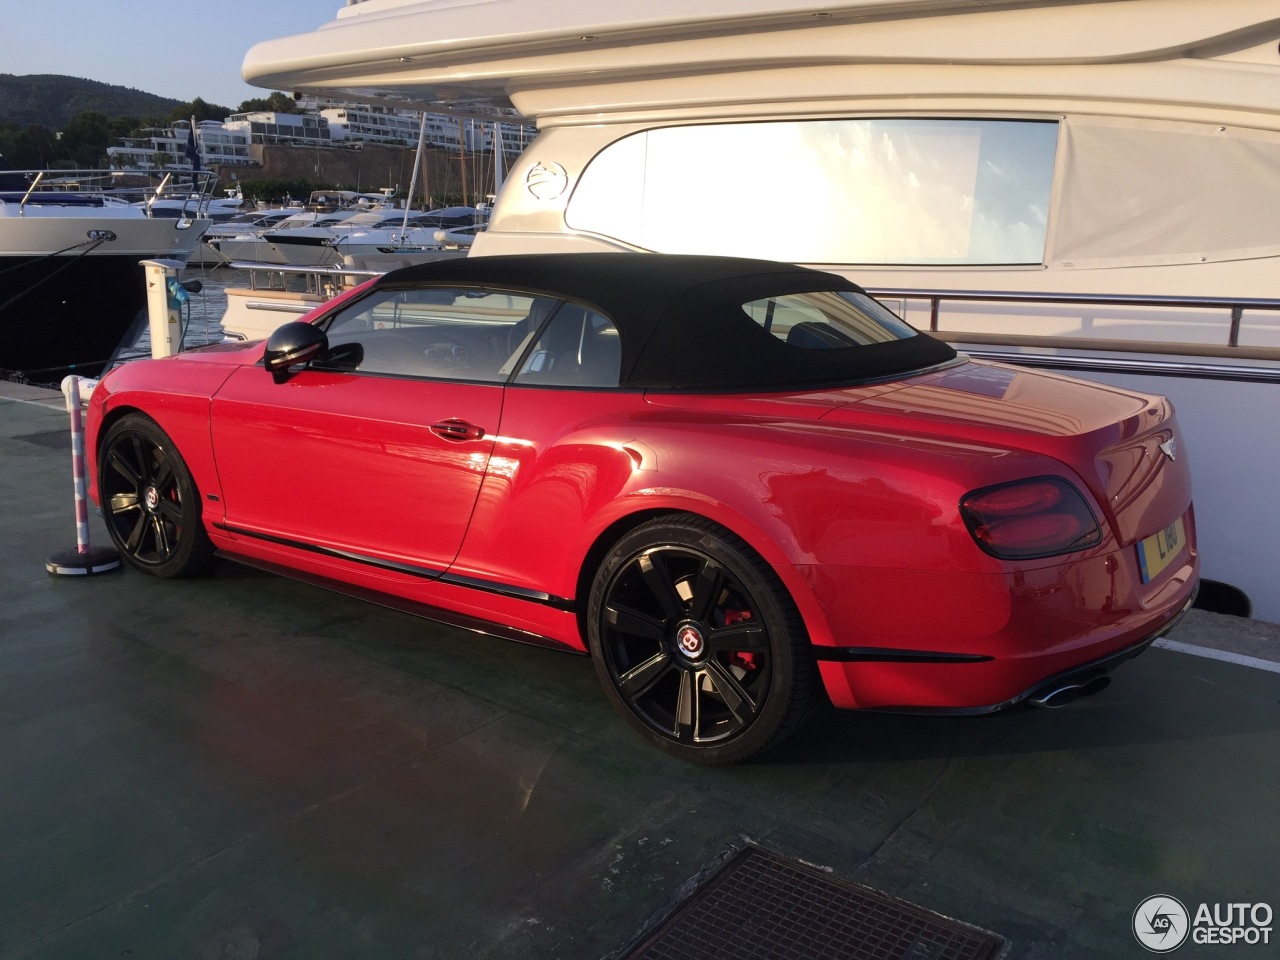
(740, 658)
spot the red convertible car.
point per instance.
(738, 485)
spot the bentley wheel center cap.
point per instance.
(689, 640)
(151, 498)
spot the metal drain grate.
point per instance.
(761, 906)
(53, 439)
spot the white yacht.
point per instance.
(240, 237)
(414, 237)
(1084, 186)
(71, 284)
(302, 239)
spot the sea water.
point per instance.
(201, 314)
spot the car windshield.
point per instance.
(826, 319)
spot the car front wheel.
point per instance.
(149, 500)
(697, 642)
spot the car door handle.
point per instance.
(455, 429)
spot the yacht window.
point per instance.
(874, 191)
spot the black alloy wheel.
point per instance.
(697, 642)
(149, 500)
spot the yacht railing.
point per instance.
(22, 207)
(160, 193)
(1258, 364)
(142, 188)
(322, 280)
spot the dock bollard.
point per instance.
(84, 560)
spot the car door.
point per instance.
(376, 450)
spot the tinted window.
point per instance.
(876, 191)
(454, 333)
(827, 318)
(578, 348)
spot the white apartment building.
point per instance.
(369, 123)
(356, 122)
(294, 129)
(220, 144)
(165, 148)
(155, 148)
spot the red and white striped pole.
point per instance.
(85, 559)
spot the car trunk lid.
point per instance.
(1125, 446)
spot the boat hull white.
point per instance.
(72, 287)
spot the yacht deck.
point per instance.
(245, 766)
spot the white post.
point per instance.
(85, 559)
(163, 312)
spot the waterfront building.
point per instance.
(153, 148)
(353, 122)
(220, 144)
(165, 148)
(293, 129)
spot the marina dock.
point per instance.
(242, 766)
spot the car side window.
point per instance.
(578, 348)
(827, 319)
(438, 333)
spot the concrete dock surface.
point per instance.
(242, 766)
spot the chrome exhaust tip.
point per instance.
(1055, 697)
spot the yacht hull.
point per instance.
(67, 312)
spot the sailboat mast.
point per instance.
(413, 178)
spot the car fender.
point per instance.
(175, 393)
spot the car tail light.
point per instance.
(1040, 517)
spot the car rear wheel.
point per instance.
(697, 642)
(150, 502)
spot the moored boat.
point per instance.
(71, 280)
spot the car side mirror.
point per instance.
(344, 357)
(290, 345)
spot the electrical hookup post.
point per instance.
(165, 297)
(85, 559)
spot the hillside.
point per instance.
(52, 99)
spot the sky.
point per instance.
(179, 52)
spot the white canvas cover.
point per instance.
(1136, 192)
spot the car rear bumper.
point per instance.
(1047, 645)
(1083, 677)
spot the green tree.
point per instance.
(200, 110)
(280, 191)
(10, 133)
(277, 102)
(36, 147)
(122, 127)
(86, 138)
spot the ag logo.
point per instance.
(1161, 924)
(546, 181)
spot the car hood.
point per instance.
(232, 353)
(1111, 437)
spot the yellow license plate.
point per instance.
(1160, 549)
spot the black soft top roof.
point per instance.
(680, 318)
